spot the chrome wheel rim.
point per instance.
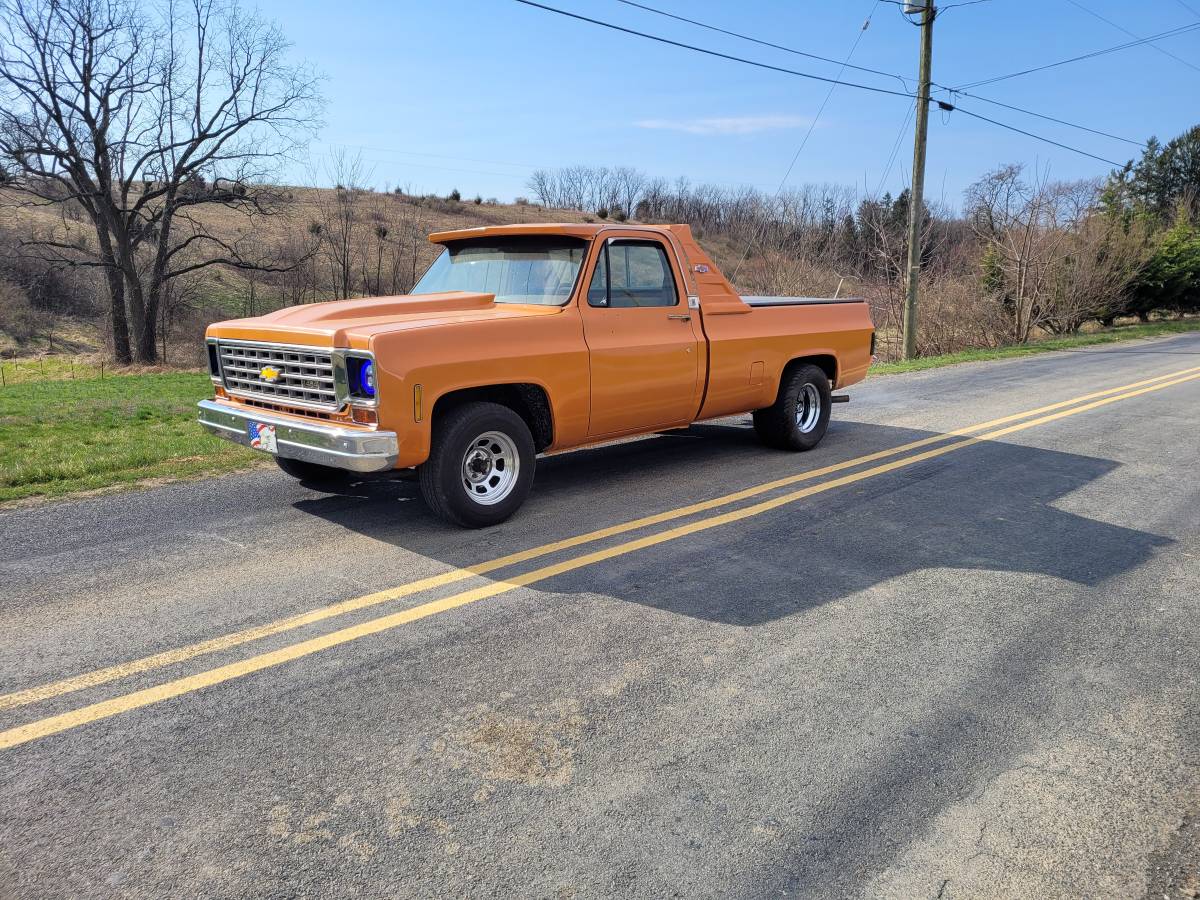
(490, 468)
(808, 408)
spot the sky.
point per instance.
(474, 95)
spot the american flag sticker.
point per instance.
(262, 437)
(701, 268)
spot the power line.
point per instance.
(1184, 29)
(942, 9)
(812, 125)
(1190, 9)
(901, 78)
(895, 148)
(1124, 30)
(825, 102)
(1037, 137)
(1030, 112)
(719, 55)
(834, 81)
(760, 42)
(903, 4)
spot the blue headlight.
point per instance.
(366, 377)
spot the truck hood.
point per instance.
(352, 323)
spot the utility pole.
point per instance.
(916, 197)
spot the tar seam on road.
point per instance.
(227, 641)
(137, 699)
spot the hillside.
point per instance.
(378, 239)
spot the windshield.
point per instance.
(518, 269)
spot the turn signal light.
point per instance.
(364, 416)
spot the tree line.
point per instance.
(1025, 255)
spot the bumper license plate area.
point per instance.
(262, 437)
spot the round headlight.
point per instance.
(366, 377)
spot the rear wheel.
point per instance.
(313, 473)
(799, 417)
(480, 466)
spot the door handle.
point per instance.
(680, 317)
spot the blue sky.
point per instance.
(474, 94)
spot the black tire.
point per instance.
(508, 459)
(313, 473)
(791, 423)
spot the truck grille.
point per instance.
(305, 374)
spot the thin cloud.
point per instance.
(726, 124)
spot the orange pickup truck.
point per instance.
(522, 339)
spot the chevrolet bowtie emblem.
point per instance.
(268, 373)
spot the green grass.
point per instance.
(1112, 335)
(64, 436)
(49, 368)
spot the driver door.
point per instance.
(644, 344)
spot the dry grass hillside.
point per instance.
(300, 206)
(334, 243)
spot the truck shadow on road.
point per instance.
(991, 506)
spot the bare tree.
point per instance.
(1100, 257)
(1019, 223)
(543, 184)
(342, 227)
(298, 255)
(144, 117)
(628, 184)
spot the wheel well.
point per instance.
(529, 401)
(824, 361)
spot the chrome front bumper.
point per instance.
(325, 445)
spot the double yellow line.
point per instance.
(974, 434)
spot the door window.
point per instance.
(632, 274)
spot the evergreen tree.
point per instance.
(1166, 177)
(1170, 279)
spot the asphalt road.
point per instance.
(968, 668)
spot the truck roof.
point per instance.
(570, 229)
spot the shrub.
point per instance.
(18, 316)
(619, 214)
(61, 290)
(1170, 279)
(521, 201)
(454, 196)
(478, 200)
(602, 212)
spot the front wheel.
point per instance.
(480, 465)
(799, 416)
